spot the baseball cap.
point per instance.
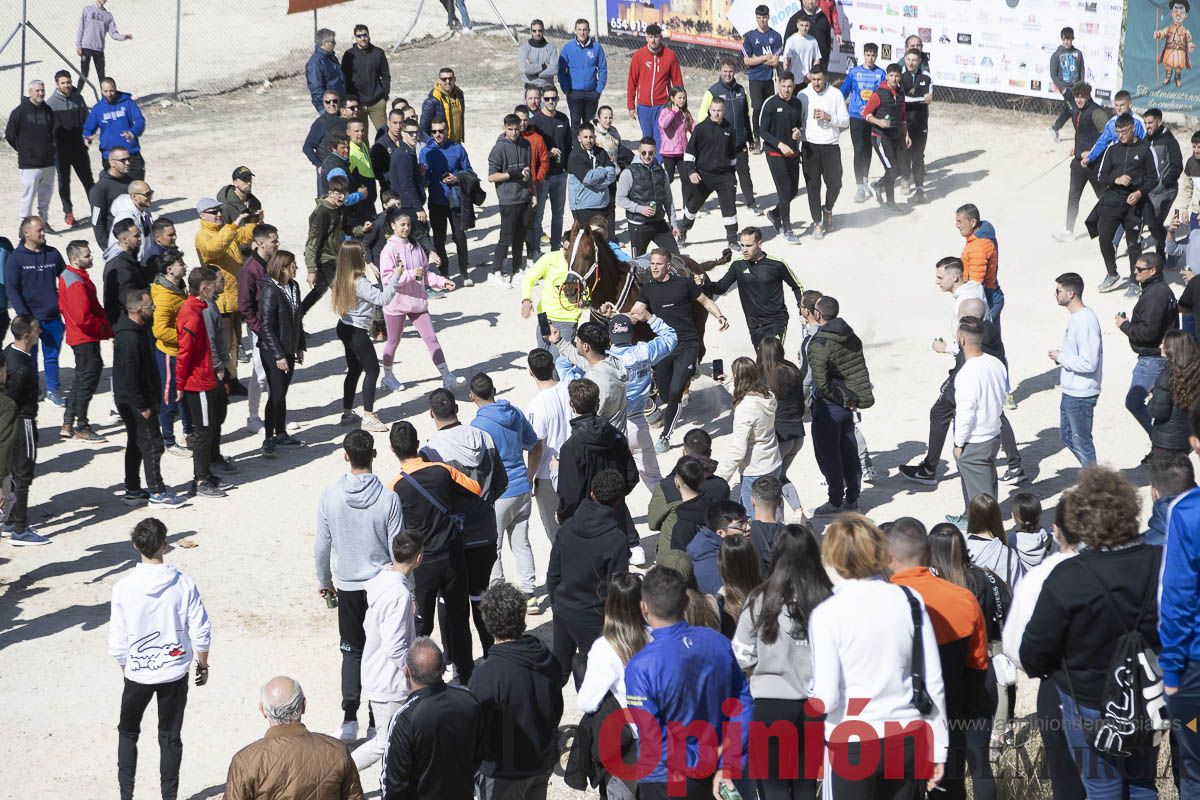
(620, 330)
(242, 174)
(653, 29)
(206, 204)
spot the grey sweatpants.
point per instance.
(547, 505)
(512, 517)
(977, 469)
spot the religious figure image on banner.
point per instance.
(1177, 45)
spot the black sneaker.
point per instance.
(268, 449)
(206, 489)
(919, 474)
(287, 440)
(878, 190)
(135, 497)
(776, 222)
(1013, 475)
(919, 197)
(227, 467)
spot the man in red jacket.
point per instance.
(197, 382)
(653, 70)
(87, 326)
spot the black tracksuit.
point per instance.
(589, 549)
(520, 688)
(913, 87)
(1162, 197)
(737, 111)
(434, 746)
(760, 289)
(887, 104)
(22, 388)
(136, 389)
(70, 113)
(775, 124)
(712, 155)
(122, 273)
(1113, 211)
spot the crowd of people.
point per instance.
(742, 618)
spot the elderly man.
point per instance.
(436, 738)
(30, 131)
(323, 72)
(291, 761)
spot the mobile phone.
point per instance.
(718, 369)
(544, 324)
(1121, 314)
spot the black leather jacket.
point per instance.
(281, 329)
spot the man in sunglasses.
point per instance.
(320, 128)
(365, 68)
(113, 183)
(446, 103)
(644, 191)
(539, 57)
(322, 71)
(556, 131)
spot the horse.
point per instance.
(608, 286)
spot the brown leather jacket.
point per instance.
(292, 763)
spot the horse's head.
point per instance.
(579, 250)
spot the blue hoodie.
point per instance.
(512, 434)
(31, 281)
(858, 87)
(582, 68)
(450, 158)
(113, 119)
(1179, 598)
(704, 550)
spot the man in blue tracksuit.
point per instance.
(1122, 104)
(444, 161)
(582, 74)
(861, 82)
(639, 360)
(1179, 625)
(514, 436)
(119, 121)
(323, 71)
(683, 677)
(31, 281)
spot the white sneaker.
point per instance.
(293, 426)
(254, 424)
(372, 422)
(506, 282)
(493, 279)
(637, 556)
(452, 381)
(870, 474)
(347, 731)
(391, 383)
(791, 496)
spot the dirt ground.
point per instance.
(252, 554)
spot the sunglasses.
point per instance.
(436, 130)
(409, 132)
(121, 160)
(362, 36)
(352, 108)
(331, 101)
(550, 98)
(449, 79)
(535, 30)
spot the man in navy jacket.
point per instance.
(323, 72)
(31, 280)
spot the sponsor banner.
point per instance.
(999, 45)
(1160, 41)
(699, 22)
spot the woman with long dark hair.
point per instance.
(754, 448)
(771, 645)
(988, 544)
(281, 339)
(1175, 392)
(355, 297)
(739, 563)
(785, 380)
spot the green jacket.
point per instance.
(326, 232)
(660, 516)
(839, 371)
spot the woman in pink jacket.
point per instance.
(674, 127)
(411, 301)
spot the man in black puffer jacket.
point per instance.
(841, 385)
(588, 550)
(1156, 312)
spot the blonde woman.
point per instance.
(355, 297)
(754, 448)
(871, 655)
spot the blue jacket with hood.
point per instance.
(703, 550)
(582, 68)
(113, 119)
(639, 360)
(513, 435)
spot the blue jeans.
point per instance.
(1145, 373)
(1107, 777)
(995, 303)
(1184, 706)
(51, 342)
(169, 406)
(555, 188)
(1075, 426)
(463, 16)
(747, 481)
(648, 120)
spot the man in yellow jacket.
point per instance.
(551, 271)
(219, 245)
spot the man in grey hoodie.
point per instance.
(587, 357)
(539, 57)
(509, 168)
(356, 520)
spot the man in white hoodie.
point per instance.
(356, 520)
(587, 357)
(390, 626)
(157, 624)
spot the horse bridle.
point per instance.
(583, 279)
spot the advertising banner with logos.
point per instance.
(1160, 38)
(990, 45)
(700, 22)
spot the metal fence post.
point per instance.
(24, 30)
(596, 16)
(178, 14)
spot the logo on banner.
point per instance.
(1090, 8)
(970, 78)
(925, 34)
(885, 52)
(910, 11)
(964, 38)
(1035, 86)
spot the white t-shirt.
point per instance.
(800, 53)
(549, 412)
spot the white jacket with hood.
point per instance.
(390, 629)
(157, 623)
(753, 448)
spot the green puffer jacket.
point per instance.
(839, 371)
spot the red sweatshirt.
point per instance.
(651, 76)
(193, 365)
(81, 309)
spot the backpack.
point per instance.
(1133, 709)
